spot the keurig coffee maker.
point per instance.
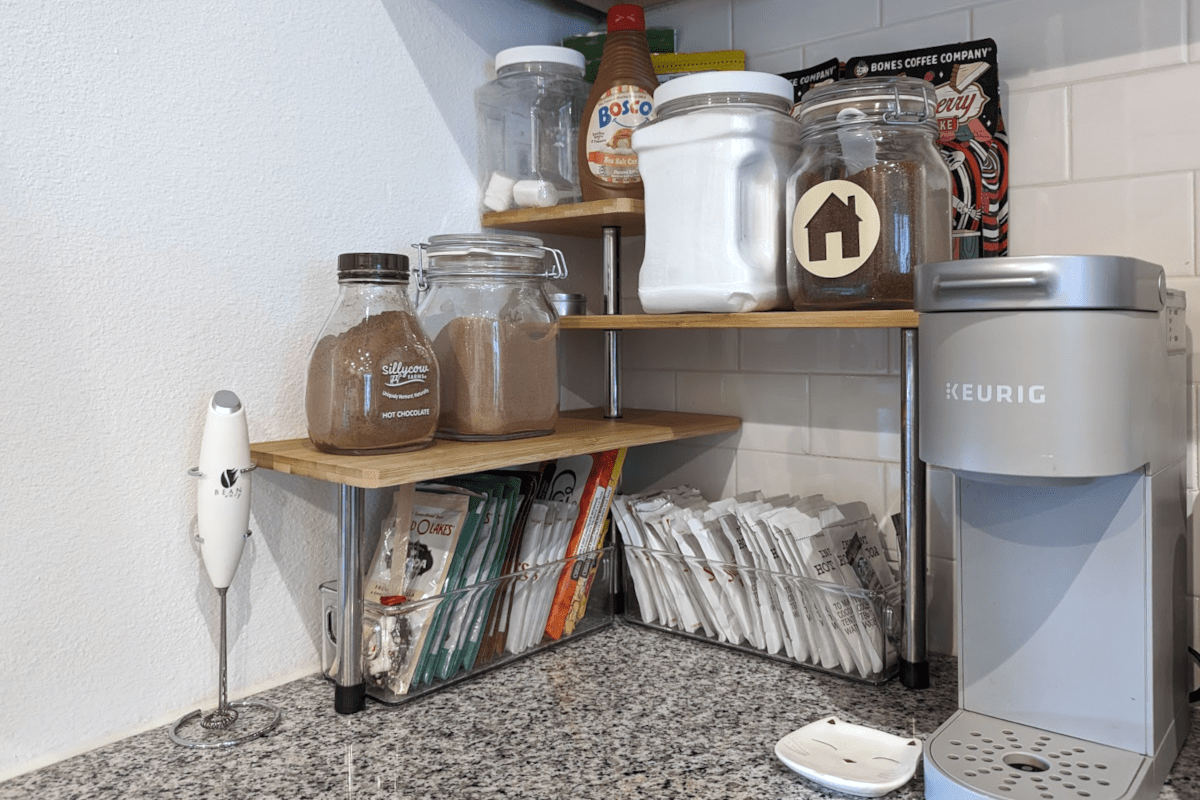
(1053, 389)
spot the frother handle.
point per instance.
(223, 490)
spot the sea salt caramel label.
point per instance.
(835, 228)
(610, 154)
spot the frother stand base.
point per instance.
(204, 738)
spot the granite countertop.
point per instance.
(622, 713)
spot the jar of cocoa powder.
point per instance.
(869, 196)
(495, 333)
(372, 374)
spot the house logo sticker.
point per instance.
(835, 228)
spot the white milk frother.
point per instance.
(223, 519)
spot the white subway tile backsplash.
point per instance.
(711, 468)
(695, 349)
(1193, 464)
(629, 256)
(940, 628)
(895, 346)
(708, 25)
(1195, 240)
(1193, 553)
(893, 492)
(849, 351)
(1136, 124)
(1044, 42)
(648, 389)
(897, 11)
(1149, 218)
(855, 416)
(939, 514)
(779, 61)
(1193, 30)
(929, 32)
(761, 26)
(1038, 120)
(581, 368)
(1191, 287)
(839, 479)
(773, 407)
(1194, 640)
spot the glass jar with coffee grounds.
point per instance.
(372, 373)
(869, 196)
(484, 305)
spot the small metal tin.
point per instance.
(569, 304)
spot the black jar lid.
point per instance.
(372, 267)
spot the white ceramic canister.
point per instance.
(715, 164)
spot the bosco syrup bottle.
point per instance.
(622, 98)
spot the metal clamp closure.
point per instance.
(556, 272)
(895, 116)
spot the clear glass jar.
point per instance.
(484, 305)
(528, 121)
(715, 166)
(372, 375)
(869, 197)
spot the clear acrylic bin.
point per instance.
(415, 648)
(841, 630)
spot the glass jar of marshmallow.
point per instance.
(528, 121)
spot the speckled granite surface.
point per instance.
(623, 713)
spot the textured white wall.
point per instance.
(176, 182)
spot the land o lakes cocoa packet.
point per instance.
(972, 140)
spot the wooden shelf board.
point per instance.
(574, 219)
(585, 431)
(898, 318)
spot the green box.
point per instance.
(660, 40)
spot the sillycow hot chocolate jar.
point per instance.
(372, 375)
(869, 197)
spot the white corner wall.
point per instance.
(176, 182)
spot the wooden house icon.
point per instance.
(834, 215)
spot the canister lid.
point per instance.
(487, 254)
(1028, 283)
(892, 99)
(540, 52)
(626, 17)
(373, 266)
(496, 244)
(724, 82)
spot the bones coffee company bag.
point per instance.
(805, 79)
(972, 137)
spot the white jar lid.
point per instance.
(724, 82)
(540, 52)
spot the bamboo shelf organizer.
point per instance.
(586, 220)
(577, 432)
(591, 430)
(899, 318)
